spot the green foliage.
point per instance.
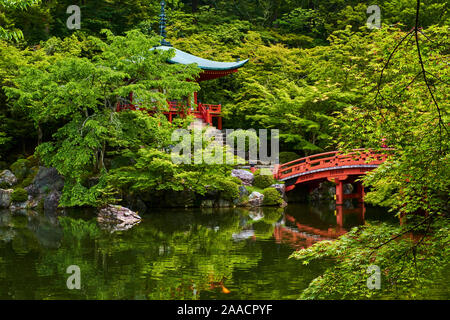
(19, 195)
(236, 180)
(408, 269)
(262, 180)
(251, 189)
(21, 168)
(14, 34)
(272, 197)
(155, 171)
(286, 156)
(27, 181)
(86, 91)
(78, 229)
(402, 115)
(263, 230)
(229, 190)
(242, 139)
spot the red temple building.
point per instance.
(210, 70)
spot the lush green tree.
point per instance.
(10, 32)
(405, 108)
(408, 269)
(83, 94)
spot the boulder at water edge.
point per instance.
(7, 178)
(255, 199)
(117, 218)
(5, 198)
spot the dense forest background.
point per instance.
(316, 72)
(291, 46)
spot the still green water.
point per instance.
(171, 254)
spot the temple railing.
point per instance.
(202, 110)
(180, 107)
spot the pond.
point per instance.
(171, 254)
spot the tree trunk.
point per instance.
(39, 134)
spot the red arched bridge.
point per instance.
(333, 166)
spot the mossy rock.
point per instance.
(272, 197)
(40, 205)
(229, 190)
(19, 195)
(263, 181)
(21, 168)
(33, 161)
(27, 181)
(236, 180)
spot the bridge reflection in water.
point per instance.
(302, 226)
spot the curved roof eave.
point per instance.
(182, 57)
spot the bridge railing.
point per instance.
(332, 159)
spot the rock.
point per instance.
(281, 188)
(135, 203)
(324, 192)
(5, 198)
(245, 234)
(46, 188)
(7, 178)
(47, 179)
(51, 201)
(256, 199)
(243, 191)
(348, 188)
(243, 175)
(19, 207)
(117, 218)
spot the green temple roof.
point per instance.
(182, 57)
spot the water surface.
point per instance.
(171, 254)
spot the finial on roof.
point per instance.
(162, 26)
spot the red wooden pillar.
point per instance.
(340, 216)
(339, 192)
(170, 117)
(219, 123)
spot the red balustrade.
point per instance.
(330, 160)
(203, 111)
